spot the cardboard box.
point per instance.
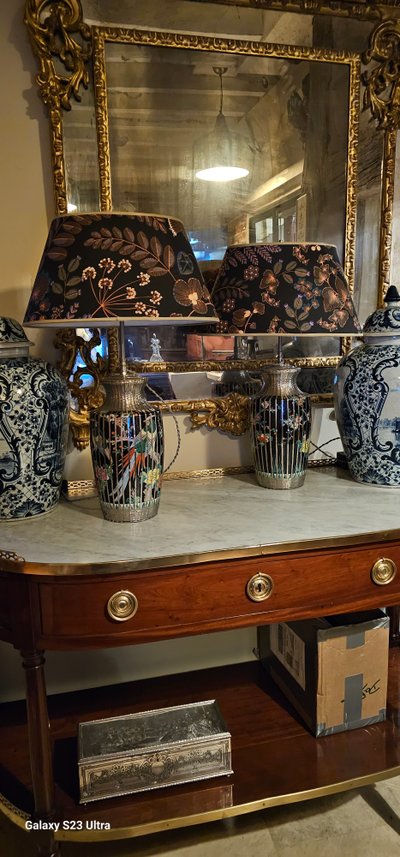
(333, 670)
(163, 747)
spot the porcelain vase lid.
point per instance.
(385, 321)
(13, 336)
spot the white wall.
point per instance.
(27, 206)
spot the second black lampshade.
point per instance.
(290, 289)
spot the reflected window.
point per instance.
(275, 225)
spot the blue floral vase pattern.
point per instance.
(367, 399)
(281, 425)
(127, 443)
(34, 407)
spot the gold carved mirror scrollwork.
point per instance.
(131, 102)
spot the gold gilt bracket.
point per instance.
(382, 98)
(52, 27)
(229, 414)
(382, 83)
(76, 361)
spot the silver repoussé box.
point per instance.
(164, 747)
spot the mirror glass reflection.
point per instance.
(298, 146)
(175, 113)
(219, 19)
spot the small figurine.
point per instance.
(155, 356)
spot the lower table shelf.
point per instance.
(275, 759)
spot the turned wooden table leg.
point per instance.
(394, 616)
(40, 751)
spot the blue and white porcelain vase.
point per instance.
(127, 443)
(367, 399)
(281, 425)
(34, 407)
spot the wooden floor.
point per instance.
(274, 757)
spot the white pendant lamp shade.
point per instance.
(222, 155)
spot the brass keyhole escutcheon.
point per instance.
(122, 605)
(383, 571)
(259, 587)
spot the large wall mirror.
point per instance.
(133, 117)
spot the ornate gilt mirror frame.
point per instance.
(66, 46)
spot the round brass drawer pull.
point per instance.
(122, 605)
(383, 571)
(259, 587)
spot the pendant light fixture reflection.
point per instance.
(220, 153)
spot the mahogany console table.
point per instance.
(221, 554)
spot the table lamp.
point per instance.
(282, 290)
(104, 269)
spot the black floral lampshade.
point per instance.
(290, 289)
(109, 267)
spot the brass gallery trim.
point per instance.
(10, 556)
(208, 473)
(82, 489)
(218, 472)
(226, 812)
(19, 818)
(153, 563)
(132, 36)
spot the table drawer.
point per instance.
(156, 604)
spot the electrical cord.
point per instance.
(320, 448)
(178, 432)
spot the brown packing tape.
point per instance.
(336, 662)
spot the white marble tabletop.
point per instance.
(200, 519)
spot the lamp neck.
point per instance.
(124, 393)
(122, 358)
(280, 380)
(279, 352)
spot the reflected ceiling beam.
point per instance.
(276, 187)
(199, 90)
(176, 15)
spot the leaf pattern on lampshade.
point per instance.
(115, 266)
(283, 288)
